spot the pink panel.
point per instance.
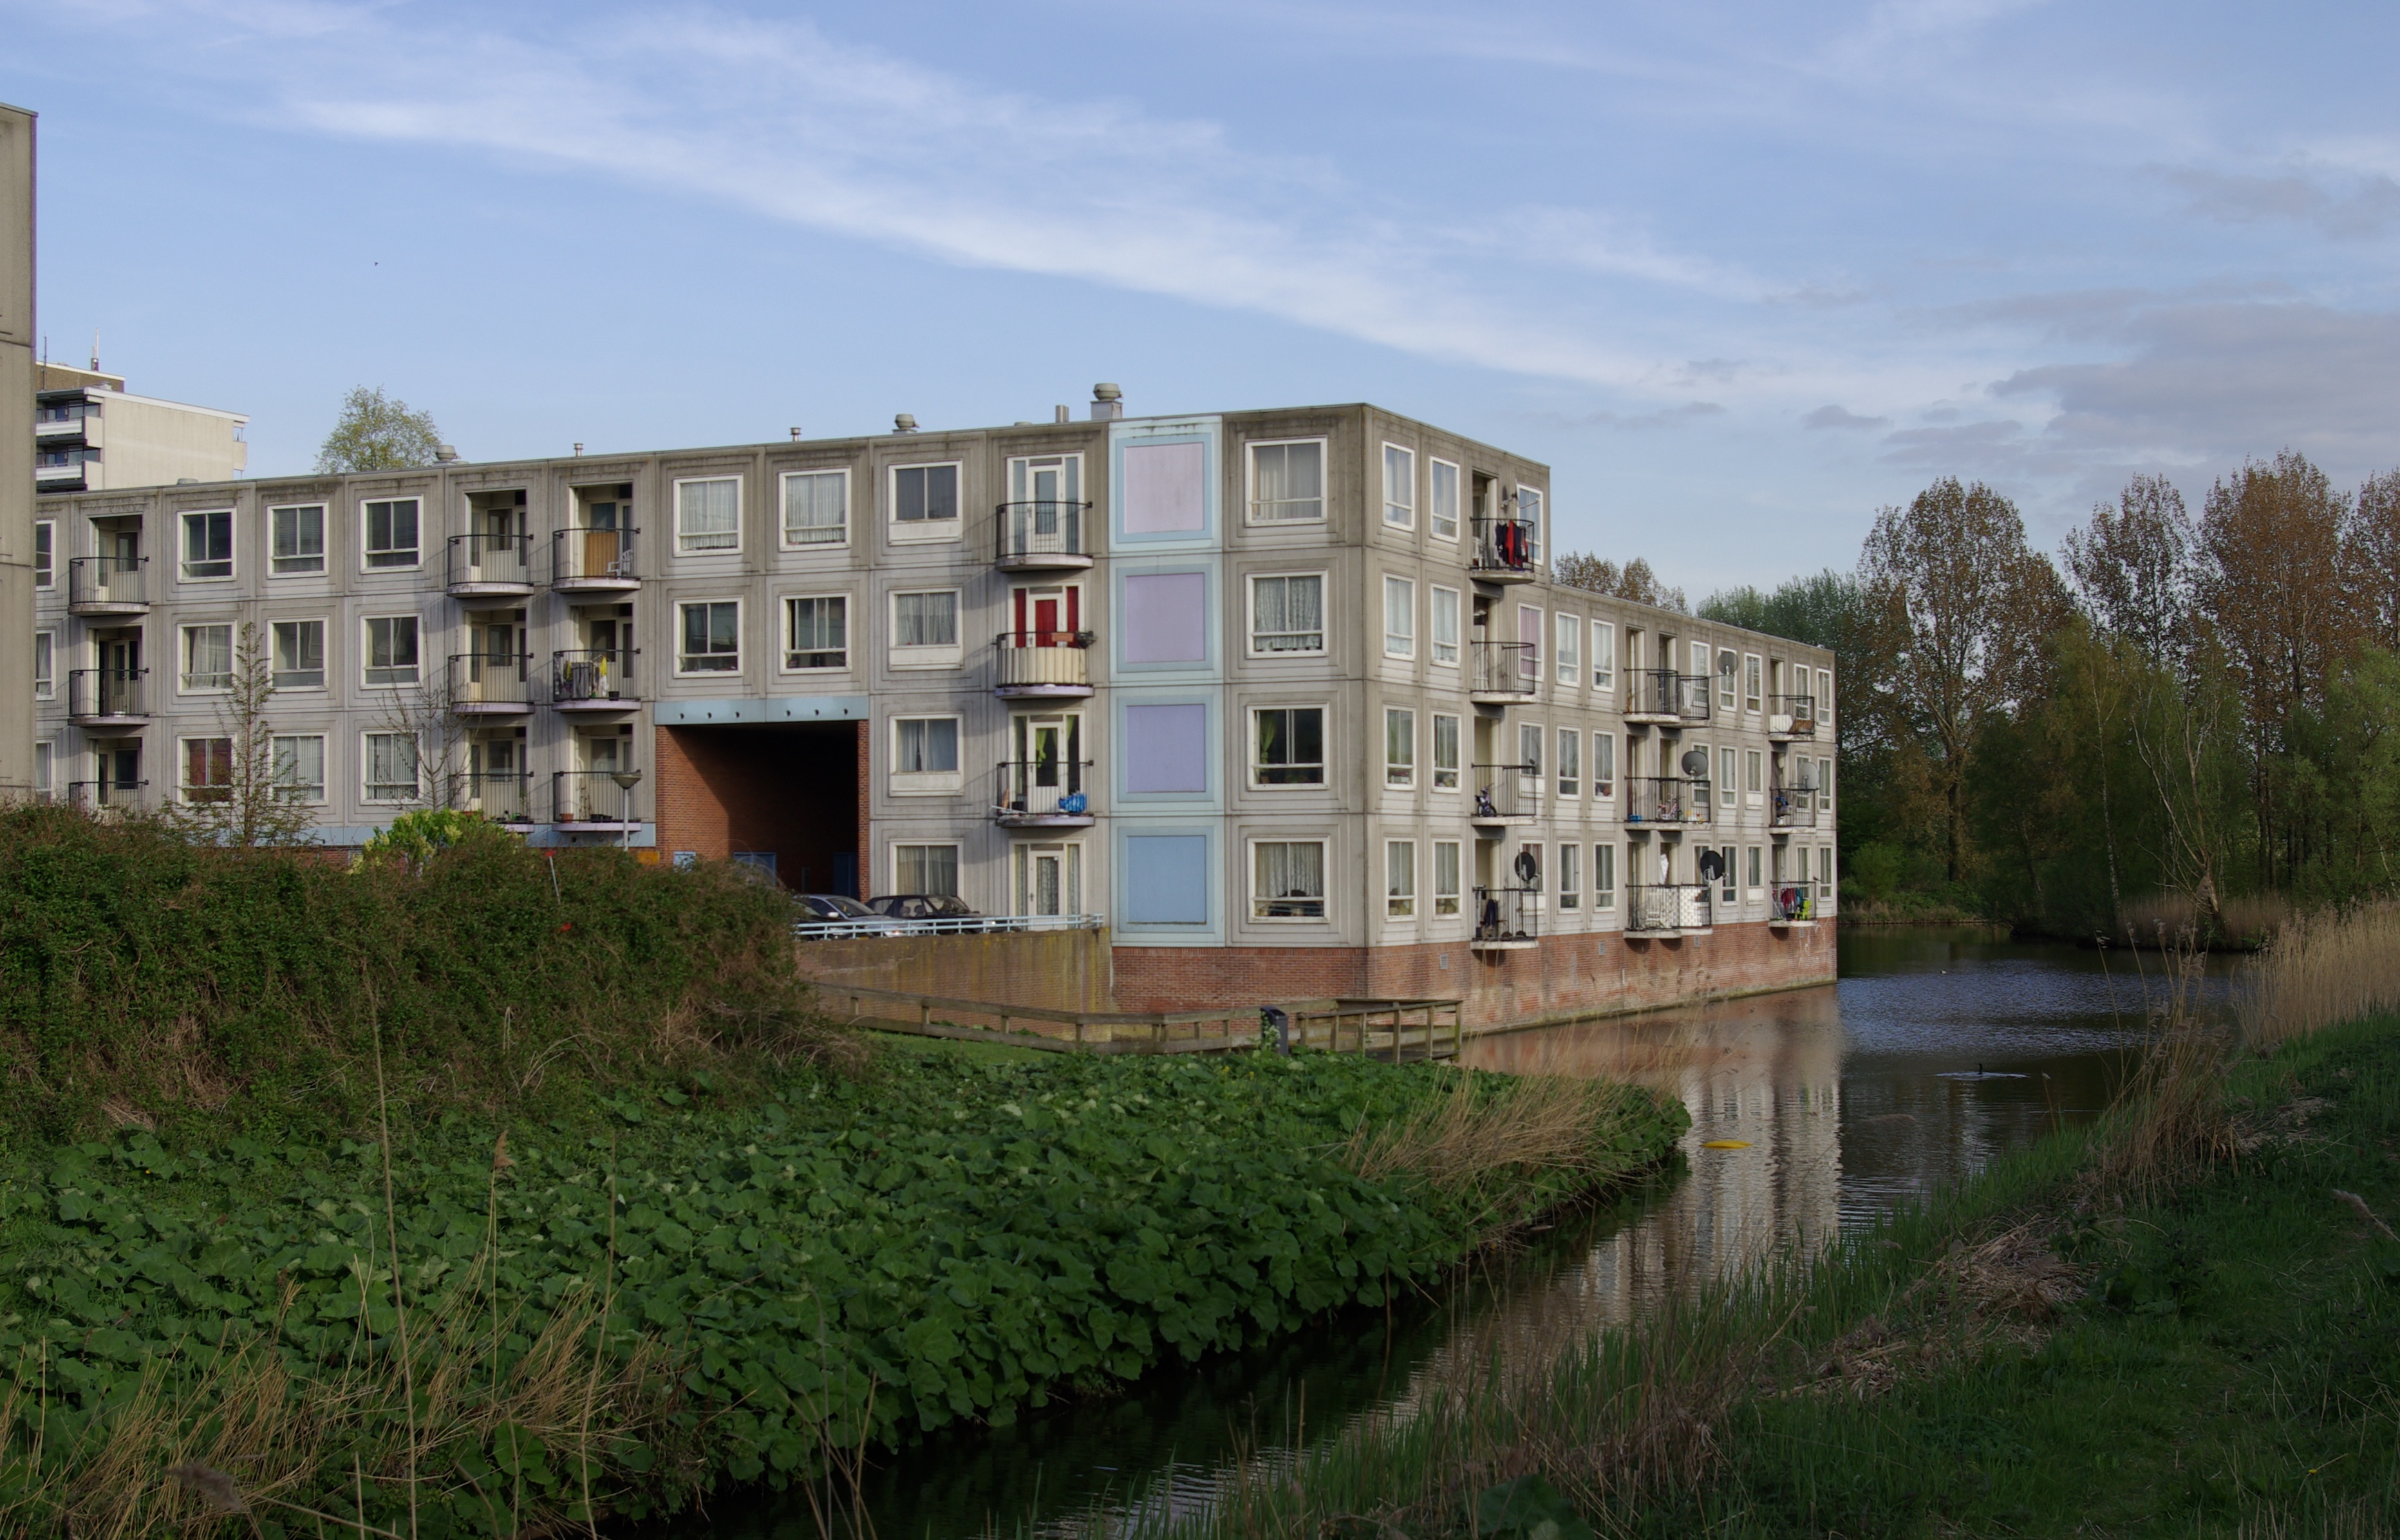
(1167, 617)
(1163, 489)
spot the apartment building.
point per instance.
(91, 435)
(1282, 696)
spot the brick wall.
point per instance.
(792, 790)
(1052, 970)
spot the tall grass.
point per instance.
(2327, 968)
(1486, 1131)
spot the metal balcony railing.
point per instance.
(1505, 792)
(506, 559)
(1663, 692)
(1043, 662)
(1504, 547)
(104, 793)
(1503, 668)
(503, 794)
(590, 796)
(1655, 906)
(1029, 532)
(1791, 806)
(583, 557)
(107, 581)
(1800, 709)
(1508, 914)
(102, 692)
(593, 676)
(483, 681)
(1042, 791)
(1672, 799)
(1791, 901)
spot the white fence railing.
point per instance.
(982, 924)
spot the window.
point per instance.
(708, 514)
(1399, 878)
(1399, 747)
(1570, 878)
(46, 758)
(711, 638)
(1604, 877)
(1400, 617)
(1725, 778)
(1288, 614)
(1445, 753)
(390, 531)
(1570, 762)
(932, 869)
(1290, 747)
(391, 767)
(1724, 679)
(1399, 487)
(208, 545)
(1749, 681)
(816, 631)
(207, 766)
(296, 538)
(300, 767)
(1445, 511)
(1288, 483)
(925, 498)
(816, 508)
(45, 535)
(1824, 786)
(1529, 508)
(1753, 777)
(391, 650)
(924, 745)
(1287, 879)
(1445, 876)
(1603, 764)
(1824, 695)
(1569, 649)
(1732, 874)
(1825, 875)
(299, 655)
(1529, 868)
(45, 664)
(1528, 656)
(1445, 625)
(1529, 750)
(925, 619)
(207, 658)
(1603, 655)
(1751, 866)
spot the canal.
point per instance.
(1937, 1050)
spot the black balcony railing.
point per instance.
(1655, 906)
(1793, 807)
(1506, 791)
(1030, 531)
(1663, 692)
(1503, 668)
(593, 676)
(1043, 662)
(97, 692)
(1505, 546)
(490, 559)
(104, 792)
(1031, 791)
(107, 580)
(593, 557)
(1666, 799)
(1508, 914)
(504, 795)
(589, 797)
(1801, 709)
(483, 681)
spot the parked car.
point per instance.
(922, 907)
(836, 909)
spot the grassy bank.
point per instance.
(2184, 1319)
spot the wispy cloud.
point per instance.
(2368, 206)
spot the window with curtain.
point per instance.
(208, 769)
(299, 648)
(1749, 681)
(925, 745)
(1400, 617)
(1399, 878)
(391, 650)
(1399, 747)
(45, 665)
(925, 494)
(1725, 787)
(925, 619)
(1569, 649)
(296, 537)
(711, 638)
(1570, 877)
(1290, 747)
(208, 544)
(930, 870)
(1603, 764)
(1529, 508)
(391, 532)
(1399, 487)
(1725, 666)
(300, 766)
(708, 514)
(1445, 876)
(1445, 753)
(1445, 625)
(208, 657)
(1529, 749)
(1570, 762)
(391, 767)
(1442, 509)
(817, 632)
(1603, 655)
(1287, 879)
(1604, 877)
(816, 508)
(1288, 614)
(45, 535)
(1287, 483)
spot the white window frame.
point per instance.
(1251, 482)
(1824, 701)
(1603, 655)
(1258, 902)
(1569, 770)
(1729, 885)
(1825, 784)
(1754, 874)
(184, 674)
(325, 772)
(1406, 588)
(46, 665)
(183, 786)
(325, 649)
(1752, 689)
(45, 770)
(784, 481)
(46, 553)
(1399, 774)
(366, 659)
(1569, 856)
(1604, 894)
(1728, 768)
(366, 768)
(928, 531)
(1447, 904)
(1445, 601)
(1603, 756)
(1323, 748)
(934, 782)
(276, 566)
(740, 622)
(1407, 506)
(848, 636)
(1753, 778)
(1456, 769)
(184, 516)
(901, 884)
(1399, 880)
(931, 654)
(1728, 679)
(1539, 501)
(367, 562)
(1435, 466)
(1566, 632)
(684, 539)
(1251, 621)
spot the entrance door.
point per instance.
(601, 539)
(120, 666)
(1049, 879)
(1046, 617)
(1047, 751)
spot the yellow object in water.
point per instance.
(1726, 1144)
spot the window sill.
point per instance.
(298, 572)
(928, 783)
(843, 544)
(927, 657)
(733, 672)
(820, 670)
(928, 532)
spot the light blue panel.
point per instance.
(1135, 731)
(1158, 432)
(1166, 879)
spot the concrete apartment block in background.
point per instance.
(1284, 698)
(17, 335)
(89, 435)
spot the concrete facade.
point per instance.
(91, 435)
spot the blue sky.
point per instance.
(1740, 273)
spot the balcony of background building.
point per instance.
(1789, 903)
(490, 566)
(594, 679)
(1507, 919)
(1792, 805)
(108, 585)
(587, 559)
(484, 684)
(1041, 665)
(1664, 698)
(1505, 795)
(107, 697)
(1668, 908)
(506, 795)
(1042, 794)
(1504, 551)
(1500, 672)
(1789, 716)
(591, 799)
(1043, 537)
(1666, 802)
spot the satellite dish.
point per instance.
(1529, 867)
(1711, 865)
(1724, 664)
(1696, 761)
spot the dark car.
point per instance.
(836, 910)
(922, 907)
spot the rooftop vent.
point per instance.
(445, 453)
(903, 423)
(1061, 415)
(1107, 402)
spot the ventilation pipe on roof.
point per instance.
(1107, 402)
(443, 453)
(903, 423)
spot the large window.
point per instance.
(1287, 879)
(1529, 751)
(296, 537)
(1290, 746)
(1570, 762)
(1445, 753)
(208, 545)
(391, 767)
(1399, 487)
(708, 514)
(45, 664)
(46, 539)
(1824, 701)
(1399, 747)
(1604, 877)
(928, 869)
(1603, 764)
(1444, 510)
(924, 745)
(1445, 876)
(207, 658)
(1400, 617)
(816, 508)
(1529, 508)
(1288, 483)
(1603, 655)
(1399, 878)
(1570, 877)
(816, 631)
(1445, 625)
(391, 650)
(1288, 614)
(1749, 681)
(299, 654)
(926, 496)
(300, 766)
(712, 637)
(206, 766)
(1726, 790)
(1752, 776)
(1824, 786)
(391, 527)
(925, 619)
(1725, 668)
(1569, 649)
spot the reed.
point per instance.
(2166, 920)
(2326, 968)
(1487, 1132)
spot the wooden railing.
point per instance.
(1395, 1029)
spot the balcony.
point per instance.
(1505, 795)
(491, 567)
(592, 800)
(593, 680)
(1789, 905)
(107, 697)
(1664, 698)
(588, 560)
(482, 684)
(49, 431)
(1791, 806)
(504, 796)
(1043, 537)
(1041, 665)
(1789, 716)
(1500, 672)
(104, 796)
(1507, 919)
(1504, 551)
(1667, 910)
(1666, 802)
(1042, 794)
(108, 585)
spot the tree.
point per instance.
(2132, 567)
(1634, 581)
(244, 801)
(375, 433)
(2372, 555)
